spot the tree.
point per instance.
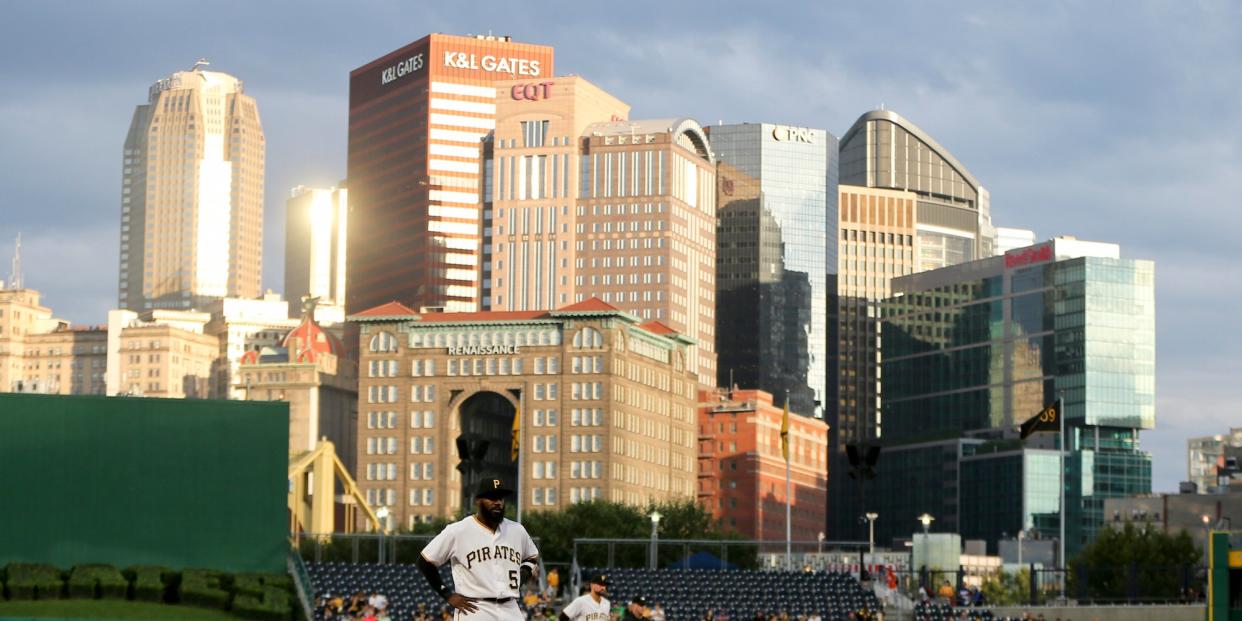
(1134, 559)
(1007, 589)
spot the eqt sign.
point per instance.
(533, 91)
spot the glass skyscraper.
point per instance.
(971, 351)
(776, 245)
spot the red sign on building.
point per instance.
(1028, 256)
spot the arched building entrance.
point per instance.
(486, 442)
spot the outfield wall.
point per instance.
(130, 481)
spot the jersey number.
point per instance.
(513, 580)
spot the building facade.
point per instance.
(531, 188)
(742, 470)
(316, 222)
(906, 205)
(307, 371)
(775, 247)
(192, 194)
(608, 406)
(416, 119)
(971, 351)
(163, 353)
(1204, 454)
(42, 354)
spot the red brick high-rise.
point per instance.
(416, 119)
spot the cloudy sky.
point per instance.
(1113, 121)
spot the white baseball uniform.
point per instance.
(585, 608)
(486, 563)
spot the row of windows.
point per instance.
(388, 420)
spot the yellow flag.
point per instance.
(517, 432)
(785, 431)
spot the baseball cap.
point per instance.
(640, 600)
(600, 579)
(492, 486)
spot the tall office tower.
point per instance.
(646, 228)
(777, 202)
(416, 119)
(192, 194)
(315, 226)
(973, 350)
(531, 189)
(581, 203)
(906, 205)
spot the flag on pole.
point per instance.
(1048, 419)
(785, 431)
(517, 432)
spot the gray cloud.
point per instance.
(1108, 121)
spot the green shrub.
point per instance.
(34, 581)
(149, 583)
(271, 605)
(205, 588)
(91, 581)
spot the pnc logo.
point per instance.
(785, 133)
(533, 91)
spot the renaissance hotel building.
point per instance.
(608, 407)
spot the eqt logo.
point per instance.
(533, 91)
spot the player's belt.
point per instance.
(496, 600)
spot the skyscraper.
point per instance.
(192, 194)
(315, 226)
(906, 205)
(777, 198)
(580, 202)
(416, 119)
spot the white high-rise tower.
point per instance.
(192, 194)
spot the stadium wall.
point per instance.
(134, 481)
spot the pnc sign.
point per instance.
(1028, 256)
(533, 91)
(786, 133)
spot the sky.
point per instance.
(1108, 120)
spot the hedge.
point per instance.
(149, 583)
(205, 588)
(271, 605)
(92, 581)
(34, 581)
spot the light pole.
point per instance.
(1207, 534)
(820, 537)
(926, 519)
(871, 531)
(1021, 535)
(382, 514)
(655, 538)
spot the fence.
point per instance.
(717, 553)
(1083, 584)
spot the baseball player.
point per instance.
(491, 556)
(592, 605)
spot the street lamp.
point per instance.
(1021, 534)
(926, 519)
(382, 515)
(1207, 534)
(871, 530)
(655, 537)
(820, 537)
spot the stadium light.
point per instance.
(655, 537)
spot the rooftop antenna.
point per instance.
(15, 275)
(202, 62)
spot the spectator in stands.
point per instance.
(815, 617)
(946, 592)
(637, 610)
(657, 613)
(554, 583)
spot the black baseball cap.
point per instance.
(600, 579)
(640, 600)
(490, 486)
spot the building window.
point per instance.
(384, 342)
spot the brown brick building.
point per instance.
(608, 402)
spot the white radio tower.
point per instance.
(15, 275)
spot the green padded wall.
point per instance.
(128, 481)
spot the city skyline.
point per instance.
(1073, 118)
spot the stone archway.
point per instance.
(486, 423)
